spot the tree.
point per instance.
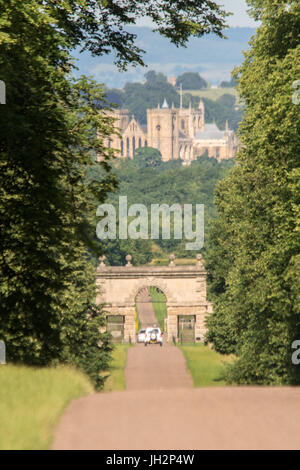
(147, 157)
(101, 26)
(51, 131)
(233, 83)
(139, 97)
(255, 247)
(48, 141)
(169, 183)
(191, 81)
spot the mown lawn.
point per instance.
(31, 402)
(212, 93)
(159, 306)
(205, 365)
(116, 378)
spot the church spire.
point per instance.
(180, 95)
(165, 104)
(226, 127)
(201, 104)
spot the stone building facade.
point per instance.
(184, 288)
(176, 133)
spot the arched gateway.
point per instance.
(184, 287)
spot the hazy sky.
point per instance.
(237, 7)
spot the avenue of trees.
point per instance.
(254, 254)
(48, 142)
(52, 128)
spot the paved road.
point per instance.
(146, 314)
(156, 368)
(160, 410)
(219, 418)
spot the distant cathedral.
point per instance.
(176, 133)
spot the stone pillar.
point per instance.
(129, 326)
(172, 325)
(200, 327)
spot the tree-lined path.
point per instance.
(153, 367)
(161, 410)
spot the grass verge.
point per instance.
(116, 378)
(212, 93)
(31, 402)
(205, 365)
(159, 306)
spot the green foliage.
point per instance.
(100, 26)
(138, 97)
(48, 141)
(147, 157)
(222, 110)
(254, 256)
(233, 83)
(116, 379)
(169, 183)
(206, 366)
(32, 401)
(159, 306)
(51, 131)
(191, 81)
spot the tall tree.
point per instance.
(255, 249)
(191, 81)
(50, 132)
(48, 141)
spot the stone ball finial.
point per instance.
(128, 259)
(172, 259)
(102, 260)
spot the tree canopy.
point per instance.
(167, 183)
(191, 81)
(100, 26)
(254, 257)
(51, 130)
(138, 97)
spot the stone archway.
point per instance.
(151, 307)
(183, 286)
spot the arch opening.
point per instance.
(151, 307)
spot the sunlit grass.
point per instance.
(212, 93)
(31, 402)
(159, 306)
(206, 366)
(116, 378)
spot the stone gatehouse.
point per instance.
(183, 286)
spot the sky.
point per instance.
(214, 60)
(237, 7)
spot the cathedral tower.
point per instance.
(163, 131)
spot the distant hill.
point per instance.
(213, 57)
